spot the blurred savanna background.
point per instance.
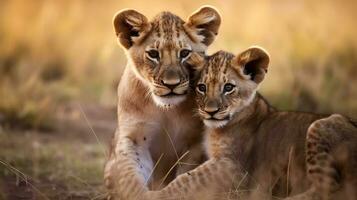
(60, 64)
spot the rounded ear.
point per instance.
(254, 62)
(130, 27)
(203, 25)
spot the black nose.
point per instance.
(212, 113)
(170, 85)
(211, 107)
(170, 78)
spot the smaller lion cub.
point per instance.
(257, 152)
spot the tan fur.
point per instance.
(156, 122)
(271, 154)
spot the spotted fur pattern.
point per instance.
(208, 181)
(283, 154)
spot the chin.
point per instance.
(213, 123)
(168, 101)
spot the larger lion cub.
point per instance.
(156, 123)
(262, 152)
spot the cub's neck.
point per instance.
(248, 118)
(252, 114)
(241, 127)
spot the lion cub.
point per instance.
(156, 123)
(259, 150)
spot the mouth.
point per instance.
(216, 123)
(216, 119)
(169, 100)
(173, 94)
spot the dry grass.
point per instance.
(51, 169)
(64, 164)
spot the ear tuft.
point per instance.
(203, 25)
(130, 26)
(254, 63)
(196, 61)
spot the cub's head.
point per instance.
(228, 83)
(160, 49)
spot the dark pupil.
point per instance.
(154, 54)
(228, 87)
(202, 88)
(184, 53)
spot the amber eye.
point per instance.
(201, 88)
(184, 53)
(153, 54)
(228, 87)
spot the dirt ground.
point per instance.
(66, 163)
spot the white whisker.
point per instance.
(92, 130)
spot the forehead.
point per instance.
(218, 68)
(168, 30)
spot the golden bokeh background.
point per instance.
(56, 51)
